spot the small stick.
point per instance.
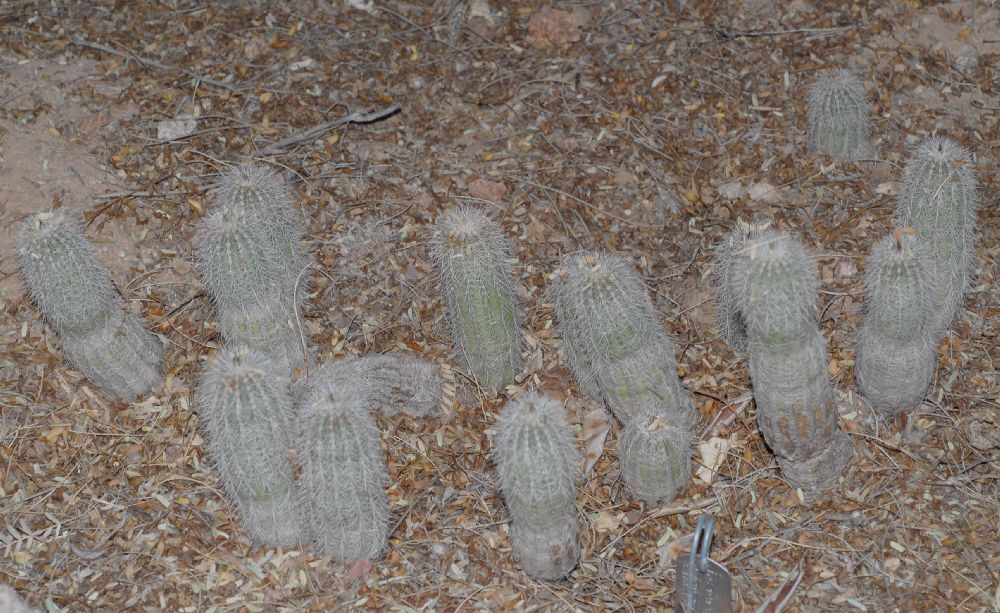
(368, 115)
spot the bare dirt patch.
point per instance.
(49, 134)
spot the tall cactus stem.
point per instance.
(243, 398)
(538, 464)
(473, 260)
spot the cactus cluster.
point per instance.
(250, 261)
(613, 340)
(538, 464)
(245, 404)
(938, 198)
(655, 456)
(775, 285)
(344, 474)
(839, 124)
(73, 289)
(896, 352)
(340, 501)
(473, 258)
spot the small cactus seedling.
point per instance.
(788, 362)
(938, 198)
(896, 352)
(73, 289)
(245, 403)
(613, 339)
(655, 457)
(254, 190)
(244, 279)
(344, 474)
(727, 255)
(390, 383)
(472, 257)
(839, 123)
(538, 464)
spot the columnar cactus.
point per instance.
(390, 383)
(938, 198)
(612, 336)
(473, 260)
(788, 363)
(344, 474)
(655, 456)
(727, 255)
(243, 276)
(73, 289)
(245, 403)
(254, 190)
(897, 352)
(839, 123)
(538, 464)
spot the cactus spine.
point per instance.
(938, 198)
(612, 335)
(344, 474)
(538, 465)
(73, 289)
(732, 327)
(244, 277)
(390, 383)
(245, 403)
(896, 352)
(472, 257)
(788, 360)
(837, 113)
(655, 457)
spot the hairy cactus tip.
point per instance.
(655, 456)
(473, 261)
(73, 290)
(896, 351)
(939, 199)
(788, 363)
(839, 123)
(244, 400)
(538, 464)
(613, 339)
(243, 277)
(344, 474)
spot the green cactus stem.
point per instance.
(473, 260)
